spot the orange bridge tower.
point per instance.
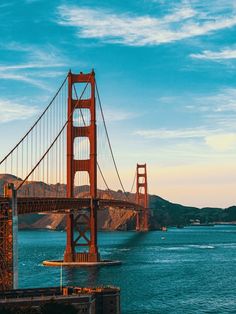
(85, 225)
(142, 198)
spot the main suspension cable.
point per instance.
(135, 174)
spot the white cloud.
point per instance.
(28, 66)
(10, 111)
(225, 54)
(22, 78)
(221, 142)
(225, 101)
(175, 133)
(118, 115)
(216, 139)
(222, 102)
(217, 103)
(183, 22)
(216, 119)
(39, 63)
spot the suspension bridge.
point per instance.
(60, 150)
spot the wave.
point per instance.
(202, 246)
(184, 247)
(176, 248)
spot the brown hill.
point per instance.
(108, 219)
(164, 213)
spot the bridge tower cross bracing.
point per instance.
(142, 223)
(81, 222)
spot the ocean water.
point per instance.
(190, 270)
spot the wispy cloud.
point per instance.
(216, 119)
(22, 78)
(29, 66)
(38, 63)
(10, 111)
(222, 101)
(221, 142)
(113, 115)
(183, 22)
(175, 133)
(216, 139)
(218, 104)
(225, 54)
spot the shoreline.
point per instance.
(220, 223)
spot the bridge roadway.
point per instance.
(30, 205)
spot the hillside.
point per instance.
(164, 213)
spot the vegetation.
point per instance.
(169, 214)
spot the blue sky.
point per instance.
(166, 74)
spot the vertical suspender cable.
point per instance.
(108, 139)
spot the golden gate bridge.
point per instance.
(61, 147)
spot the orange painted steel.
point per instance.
(31, 205)
(6, 244)
(28, 205)
(142, 217)
(79, 223)
(81, 212)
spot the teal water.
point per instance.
(190, 270)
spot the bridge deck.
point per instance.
(27, 205)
